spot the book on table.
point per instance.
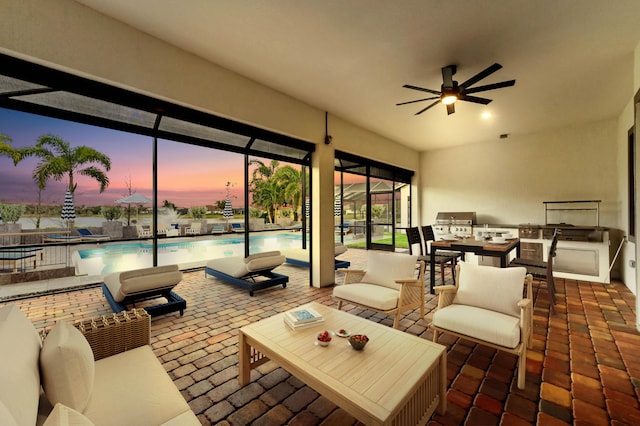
(299, 318)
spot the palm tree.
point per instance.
(290, 182)
(6, 150)
(58, 160)
(265, 189)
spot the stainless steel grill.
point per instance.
(457, 223)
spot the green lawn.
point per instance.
(401, 241)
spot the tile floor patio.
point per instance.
(584, 367)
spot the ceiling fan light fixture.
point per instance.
(448, 99)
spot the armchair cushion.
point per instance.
(490, 288)
(385, 268)
(375, 296)
(65, 416)
(483, 324)
(68, 367)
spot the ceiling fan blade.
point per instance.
(418, 100)
(424, 109)
(475, 99)
(422, 89)
(451, 108)
(482, 74)
(490, 86)
(447, 75)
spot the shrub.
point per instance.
(198, 212)
(10, 213)
(112, 212)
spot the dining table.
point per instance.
(480, 247)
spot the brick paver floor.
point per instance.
(584, 367)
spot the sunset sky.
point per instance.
(187, 175)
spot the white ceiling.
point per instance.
(572, 59)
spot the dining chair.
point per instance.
(541, 270)
(442, 261)
(450, 256)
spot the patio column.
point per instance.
(323, 250)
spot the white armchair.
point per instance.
(389, 285)
(488, 307)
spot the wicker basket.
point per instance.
(112, 334)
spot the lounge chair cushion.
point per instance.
(256, 256)
(19, 352)
(490, 288)
(67, 365)
(65, 416)
(385, 268)
(139, 281)
(376, 296)
(340, 248)
(239, 267)
(483, 324)
(120, 375)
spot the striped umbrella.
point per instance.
(337, 207)
(227, 213)
(68, 209)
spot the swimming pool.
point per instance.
(193, 253)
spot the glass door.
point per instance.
(381, 200)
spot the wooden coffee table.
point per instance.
(397, 379)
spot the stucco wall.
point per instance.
(506, 181)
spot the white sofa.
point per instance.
(57, 382)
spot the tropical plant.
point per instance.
(58, 160)
(265, 189)
(112, 212)
(10, 213)
(273, 187)
(6, 150)
(255, 213)
(198, 212)
(290, 182)
(168, 205)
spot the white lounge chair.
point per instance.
(252, 273)
(142, 232)
(217, 229)
(194, 228)
(300, 257)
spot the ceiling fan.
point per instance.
(451, 92)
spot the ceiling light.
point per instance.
(449, 99)
(486, 115)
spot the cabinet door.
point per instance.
(532, 251)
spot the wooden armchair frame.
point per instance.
(446, 295)
(410, 296)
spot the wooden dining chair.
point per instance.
(542, 271)
(442, 261)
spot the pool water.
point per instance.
(194, 253)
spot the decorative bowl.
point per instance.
(324, 338)
(358, 341)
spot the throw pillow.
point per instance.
(67, 366)
(385, 268)
(487, 287)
